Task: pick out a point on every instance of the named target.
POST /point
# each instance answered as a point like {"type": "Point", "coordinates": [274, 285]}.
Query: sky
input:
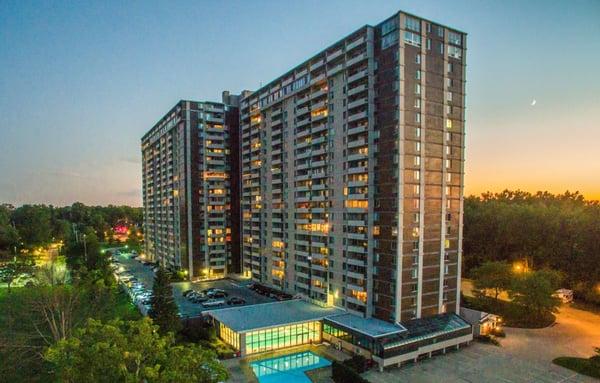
{"type": "Point", "coordinates": [81, 82]}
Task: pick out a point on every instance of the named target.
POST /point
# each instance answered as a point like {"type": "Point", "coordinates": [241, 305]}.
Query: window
{"type": "Point", "coordinates": [440, 31]}
{"type": "Point", "coordinates": [449, 82]}
{"type": "Point", "coordinates": [428, 27]}
{"type": "Point", "coordinates": [418, 132]}
{"type": "Point", "coordinates": [389, 26]}
{"type": "Point", "coordinates": [388, 40]}
{"type": "Point", "coordinates": [417, 175]}
{"type": "Point", "coordinates": [412, 38]}
{"type": "Point", "coordinates": [414, 273]}
{"type": "Point", "coordinates": [416, 217]}
{"type": "Point", "coordinates": [417, 102]}
{"type": "Point", "coordinates": [418, 58]}
{"type": "Point", "coordinates": [417, 88]}
{"type": "Point", "coordinates": [418, 117]}
{"type": "Point", "coordinates": [429, 44]}
{"type": "Point", "coordinates": [450, 67]}
{"type": "Point", "coordinates": [454, 38]}
{"type": "Point", "coordinates": [449, 177]}
{"type": "Point", "coordinates": [448, 164]}
{"type": "Point", "coordinates": [448, 109]}
{"type": "Point", "coordinates": [417, 160]}
{"type": "Point", "coordinates": [454, 52]}
{"type": "Point", "coordinates": [412, 24]}
{"type": "Point", "coordinates": [418, 75]}
{"type": "Point", "coordinates": [442, 48]}
{"type": "Point", "coordinates": [417, 147]}
{"type": "Point", "coordinates": [448, 123]}
{"type": "Point", "coordinates": [449, 96]}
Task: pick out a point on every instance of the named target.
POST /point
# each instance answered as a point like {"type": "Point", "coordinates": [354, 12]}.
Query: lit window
{"type": "Point", "coordinates": [448, 123]}
{"type": "Point", "coordinates": [417, 175]}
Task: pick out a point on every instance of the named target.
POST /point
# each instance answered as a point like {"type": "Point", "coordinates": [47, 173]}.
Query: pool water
{"type": "Point", "coordinates": [288, 368]}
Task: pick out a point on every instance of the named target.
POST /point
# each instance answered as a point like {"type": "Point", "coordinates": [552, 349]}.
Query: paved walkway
{"type": "Point", "coordinates": [478, 363]}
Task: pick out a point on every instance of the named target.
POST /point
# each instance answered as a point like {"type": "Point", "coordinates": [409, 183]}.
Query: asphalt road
{"type": "Point", "coordinates": [188, 309]}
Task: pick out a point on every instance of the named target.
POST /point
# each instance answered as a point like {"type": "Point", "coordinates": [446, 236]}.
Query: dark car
{"type": "Point", "coordinates": [219, 294]}
{"type": "Point", "coordinates": [235, 301]}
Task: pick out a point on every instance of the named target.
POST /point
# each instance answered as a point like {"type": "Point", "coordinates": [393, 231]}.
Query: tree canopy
{"type": "Point", "coordinates": [133, 351]}
{"type": "Point", "coordinates": [558, 232]}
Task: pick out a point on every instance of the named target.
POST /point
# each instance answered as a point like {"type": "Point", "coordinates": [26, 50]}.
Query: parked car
{"type": "Point", "coordinates": [235, 301]}
{"type": "Point", "coordinates": [213, 303]}
{"type": "Point", "coordinates": [219, 294]}
{"type": "Point", "coordinates": [199, 299]}
{"type": "Point", "coordinates": [187, 292]}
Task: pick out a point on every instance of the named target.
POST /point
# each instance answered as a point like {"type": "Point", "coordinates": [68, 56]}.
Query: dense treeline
{"type": "Point", "coordinates": [35, 225]}
{"type": "Point", "coordinates": [543, 230]}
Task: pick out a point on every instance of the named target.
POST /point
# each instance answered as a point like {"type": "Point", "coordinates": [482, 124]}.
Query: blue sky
{"type": "Point", "coordinates": [80, 83]}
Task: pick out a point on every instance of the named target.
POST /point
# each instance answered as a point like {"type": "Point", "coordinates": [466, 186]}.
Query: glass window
{"type": "Point", "coordinates": [389, 40]}
{"type": "Point", "coordinates": [454, 52]}
{"type": "Point", "coordinates": [389, 25]}
{"type": "Point", "coordinates": [454, 38]}
{"type": "Point", "coordinates": [412, 24]}
{"type": "Point", "coordinates": [412, 38]}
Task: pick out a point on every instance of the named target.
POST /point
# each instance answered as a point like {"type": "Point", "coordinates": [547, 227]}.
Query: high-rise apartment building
{"type": "Point", "coordinates": [190, 174]}
{"type": "Point", "coordinates": [352, 173]}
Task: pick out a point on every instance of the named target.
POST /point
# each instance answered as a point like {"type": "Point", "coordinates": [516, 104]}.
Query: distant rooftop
{"type": "Point", "coordinates": [253, 317]}
{"type": "Point", "coordinates": [369, 326]}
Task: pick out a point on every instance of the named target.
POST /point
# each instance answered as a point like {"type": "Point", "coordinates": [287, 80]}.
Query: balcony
{"type": "Point", "coordinates": [356, 59]}
{"type": "Point", "coordinates": [357, 89]}
{"type": "Point", "coordinates": [355, 43]}
{"type": "Point", "coordinates": [358, 102]}
{"type": "Point", "coordinates": [335, 54]}
{"type": "Point", "coordinates": [357, 76]}
{"type": "Point", "coordinates": [335, 69]}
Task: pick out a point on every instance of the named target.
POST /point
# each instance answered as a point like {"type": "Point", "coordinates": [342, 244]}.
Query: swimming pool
{"type": "Point", "coordinates": [288, 368]}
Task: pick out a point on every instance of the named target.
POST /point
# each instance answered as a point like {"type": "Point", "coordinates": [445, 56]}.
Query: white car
{"type": "Point", "coordinates": [213, 303]}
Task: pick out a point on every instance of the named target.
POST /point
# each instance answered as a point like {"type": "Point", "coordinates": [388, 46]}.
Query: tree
{"type": "Point", "coordinates": [163, 308]}
{"type": "Point", "coordinates": [495, 276]}
{"type": "Point", "coordinates": [14, 269]}
{"type": "Point", "coordinates": [131, 352]}
{"type": "Point", "coordinates": [533, 292]}
{"type": "Point", "coordinates": [33, 223]}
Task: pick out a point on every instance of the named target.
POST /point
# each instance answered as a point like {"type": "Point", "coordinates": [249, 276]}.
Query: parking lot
{"type": "Point", "coordinates": [188, 309]}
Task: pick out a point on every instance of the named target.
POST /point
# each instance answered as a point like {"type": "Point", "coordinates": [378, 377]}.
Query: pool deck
{"type": "Point", "coordinates": [241, 372]}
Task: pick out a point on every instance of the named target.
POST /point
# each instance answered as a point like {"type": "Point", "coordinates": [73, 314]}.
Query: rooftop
{"type": "Point", "coordinates": [430, 327]}
{"type": "Point", "coordinates": [369, 326]}
{"type": "Point", "coordinates": [254, 317]}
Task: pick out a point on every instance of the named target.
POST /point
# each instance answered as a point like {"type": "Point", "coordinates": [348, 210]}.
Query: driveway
{"type": "Point", "coordinates": [525, 356]}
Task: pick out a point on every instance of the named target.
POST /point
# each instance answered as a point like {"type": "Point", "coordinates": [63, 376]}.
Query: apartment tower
{"type": "Point", "coordinates": [352, 173]}
{"type": "Point", "coordinates": [190, 176]}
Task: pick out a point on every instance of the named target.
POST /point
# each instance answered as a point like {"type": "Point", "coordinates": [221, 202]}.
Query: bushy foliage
{"type": "Point", "coordinates": [558, 232]}
{"type": "Point", "coordinates": [133, 351]}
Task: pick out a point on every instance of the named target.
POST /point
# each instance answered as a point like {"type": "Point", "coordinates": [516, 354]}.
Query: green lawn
{"type": "Point", "coordinates": [589, 367]}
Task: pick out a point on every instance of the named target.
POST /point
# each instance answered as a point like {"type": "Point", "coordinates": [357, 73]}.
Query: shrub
{"type": "Point", "coordinates": [358, 363]}
{"type": "Point", "coordinates": [341, 373]}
